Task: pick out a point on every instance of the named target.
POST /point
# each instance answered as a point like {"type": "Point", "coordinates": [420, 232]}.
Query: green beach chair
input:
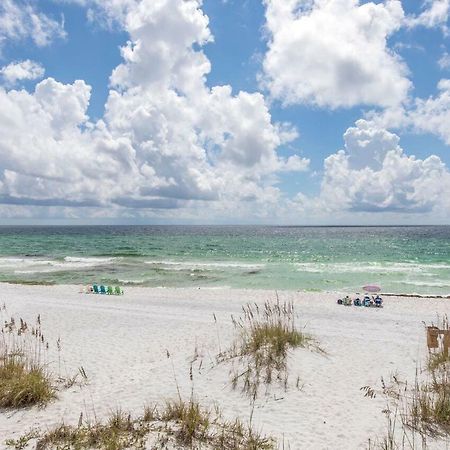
{"type": "Point", "coordinates": [118, 291]}
{"type": "Point", "coordinates": [96, 290]}
{"type": "Point", "coordinates": [110, 290]}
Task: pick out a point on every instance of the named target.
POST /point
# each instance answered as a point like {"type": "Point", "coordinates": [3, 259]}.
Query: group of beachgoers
{"type": "Point", "coordinates": [101, 289]}
{"type": "Point", "coordinates": [368, 301]}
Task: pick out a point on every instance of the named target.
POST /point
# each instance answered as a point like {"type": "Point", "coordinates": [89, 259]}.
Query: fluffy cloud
{"type": "Point", "coordinates": [46, 156]}
{"type": "Point", "coordinates": [436, 13]}
{"type": "Point", "coordinates": [105, 12]}
{"type": "Point", "coordinates": [422, 115]}
{"type": "Point", "coordinates": [200, 143]}
{"type": "Point", "coordinates": [166, 141]}
{"type": "Point", "coordinates": [373, 174]}
{"type": "Point", "coordinates": [19, 19]}
{"type": "Point", "coordinates": [169, 142]}
{"type": "Point", "coordinates": [432, 115]}
{"type": "Point", "coordinates": [23, 70]}
{"type": "Point", "coordinates": [334, 53]}
{"type": "Point", "coordinates": [444, 61]}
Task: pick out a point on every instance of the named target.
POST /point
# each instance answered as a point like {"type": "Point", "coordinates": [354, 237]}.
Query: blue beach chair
{"type": "Point", "coordinates": [102, 289]}
{"type": "Point", "coordinates": [96, 290]}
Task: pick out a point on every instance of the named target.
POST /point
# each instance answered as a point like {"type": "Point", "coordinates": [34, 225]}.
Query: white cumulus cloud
{"type": "Point", "coordinates": [20, 19]}
{"type": "Point", "coordinates": [422, 115]}
{"type": "Point", "coordinates": [22, 70]}
{"type": "Point", "coordinates": [167, 140]}
{"type": "Point", "coordinates": [373, 174]}
{"type": "Point", "coordinates": [435, 13]}
{"type": "Point", "coordinates": [334, 53]}
{"type": "Point", "coordinates": [432, 115]}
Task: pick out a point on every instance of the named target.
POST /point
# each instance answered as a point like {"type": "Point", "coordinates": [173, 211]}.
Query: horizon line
{"type": "Point", "coordinates": [224, 225]}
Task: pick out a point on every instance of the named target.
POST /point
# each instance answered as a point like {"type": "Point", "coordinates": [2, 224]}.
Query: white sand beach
{"type": "Point", "coordinates": [123, 344]}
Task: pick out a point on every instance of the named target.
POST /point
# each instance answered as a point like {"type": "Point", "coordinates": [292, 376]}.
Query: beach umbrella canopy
{"type": "Point", "coordinates": [372, 288]}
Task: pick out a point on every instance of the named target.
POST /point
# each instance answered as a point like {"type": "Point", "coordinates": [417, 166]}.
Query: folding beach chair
{"type": "Point", "coordinates": [118, 291]}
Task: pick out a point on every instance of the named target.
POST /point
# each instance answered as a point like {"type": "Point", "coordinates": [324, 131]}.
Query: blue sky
{"type": "Point", "coordinates": [251, 53]}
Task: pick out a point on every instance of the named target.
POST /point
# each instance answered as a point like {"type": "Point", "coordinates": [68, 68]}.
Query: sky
{"type": "Point", "coordinates": [295, 112]}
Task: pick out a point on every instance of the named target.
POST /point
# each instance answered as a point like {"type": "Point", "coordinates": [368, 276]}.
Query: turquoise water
{"type": "Point", "coordinates": [400, 259]}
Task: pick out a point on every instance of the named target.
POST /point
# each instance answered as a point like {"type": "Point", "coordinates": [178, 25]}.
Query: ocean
{"type": "Point", "coordinates": [400, 259]}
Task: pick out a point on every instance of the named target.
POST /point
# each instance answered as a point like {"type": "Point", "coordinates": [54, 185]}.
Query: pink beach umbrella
{"type": "Point", "coordinates": [372, 288]}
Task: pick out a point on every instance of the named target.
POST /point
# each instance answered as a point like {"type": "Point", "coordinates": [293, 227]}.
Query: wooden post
{"type": "Point", "coordinates": [446, 342]}
{"type": "Point", "coordinates": [432, 337]}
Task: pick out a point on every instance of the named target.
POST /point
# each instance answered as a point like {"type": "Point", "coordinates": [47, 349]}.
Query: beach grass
{"type": "Point", "coordinates": [182, 423]}
{"type": "Point", "coordinates": [437, 360]}
{"type": "Point", "coordinates": [265, 336]}
{"type": "Point", "coordinates": [193, 422]}
{"type": "Point", "coordinates": [24, 378]}
{"type": "Point", "coordinates": [430, 408]}
{"type": "Point", "coordinates": [118, 432]}
{"type": "Point", "coordinates": [22, 385]}
{"type": "Point", "coordinates": [414, 416]}
{"type": "Point", "coordinates": [430, 403]}
{"type": "Point", "coordinates": [421, 412]}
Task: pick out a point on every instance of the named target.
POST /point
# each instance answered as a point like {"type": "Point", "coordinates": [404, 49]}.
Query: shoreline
{"type": "Point", "coordinates": [312, 292]}
{"type": "Point", "coordinates": [415, 295]}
